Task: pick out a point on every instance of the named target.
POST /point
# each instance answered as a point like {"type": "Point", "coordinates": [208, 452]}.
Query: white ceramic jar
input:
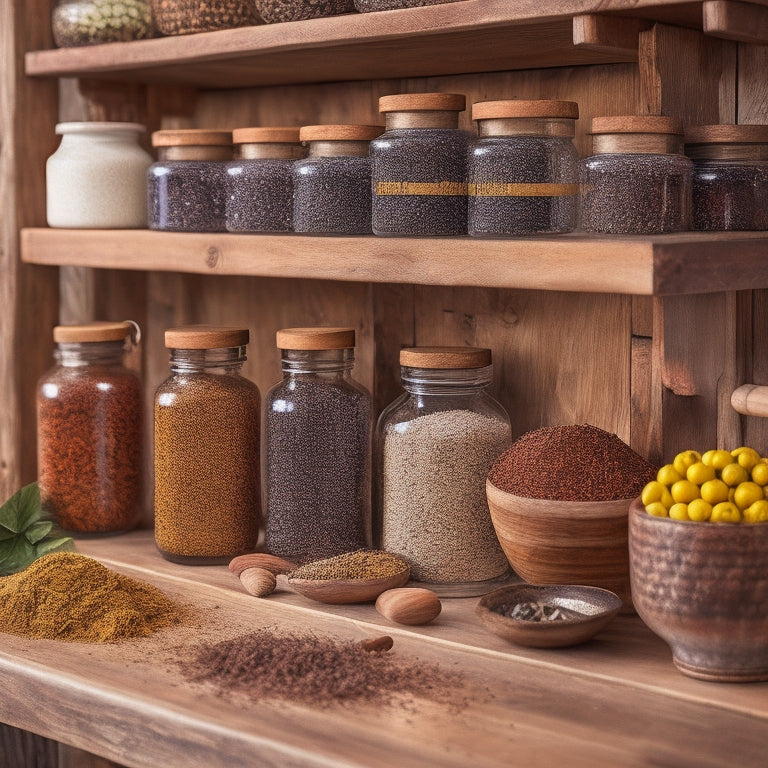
{"type": "Point", "coordinates": [97, 178]}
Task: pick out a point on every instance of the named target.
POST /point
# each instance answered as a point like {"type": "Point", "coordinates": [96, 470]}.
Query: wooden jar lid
{"type": "Point", "coordinates": [340, 132]}
{"type": "Point", "coordinates": [486, 110]}
{"type": "Point", "coordinates": [98, 331]}
{"type": "Point", "coordinates": [205, 337]}
{"type": "Point", "coordinates": [445, 357]}
{"type": "Point", "coordinates": [191, 137]}
{"type": "Point", "coordinates": [316, 338]}
{"type": "Point", "coordinates": [422, 102]}
{"type": "Point", "coordinates": [636, 124]}
{"type": "Point", "coordinates": [266, 135]}
{"type": "Point", "coordinates": [727, 134]}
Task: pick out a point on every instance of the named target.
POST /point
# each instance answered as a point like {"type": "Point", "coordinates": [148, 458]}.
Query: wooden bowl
{"type": "Point", "coordinates": [344, 591]}
{"type": "Point", "coordinates": [592, 609]}
{"type": "Point", "coordinates": [703, 587]}
{"type": "Point", "coordinates": [564, 542]}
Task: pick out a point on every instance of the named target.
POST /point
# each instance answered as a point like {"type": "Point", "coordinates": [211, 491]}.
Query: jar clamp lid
{"type": "Point", "coordinates": [642, 134]}
{"type": "Point", "coordinates": [97, 331]}
{"type": "Point", "coordinates": [445, 358]}
{"type": "Point", "coordinates": [727, 142]}
{"type": "Point", "coordinates": [315, 338]}
{"type": "Point", "coordinates": [205, 337]}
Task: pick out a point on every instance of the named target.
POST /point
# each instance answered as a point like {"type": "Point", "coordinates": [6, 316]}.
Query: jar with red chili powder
{"type": "Point", "coordinates": [89, 430]}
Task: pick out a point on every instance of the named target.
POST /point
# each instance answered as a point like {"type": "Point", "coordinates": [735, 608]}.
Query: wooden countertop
{"type": "Point", "coordinates": [616, 700]}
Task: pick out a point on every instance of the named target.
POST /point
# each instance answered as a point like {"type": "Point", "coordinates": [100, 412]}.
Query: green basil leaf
{"type": "Point", "coordinates": [5, 534]}
{"type": "Point", "coordinates": [22, 509]}
{"type": "Point", "coordinates": [16, 557]}
{"type": "Point", "coordinates": [38, 531]}
{"type": "Point", "coordinates": [63, 544]}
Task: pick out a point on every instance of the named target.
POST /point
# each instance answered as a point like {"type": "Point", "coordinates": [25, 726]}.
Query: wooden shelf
{"type": "Point", "coordinates": [686, 263]}
{"type": "Point", "coordinates": [612, 701]}
{"type": "Point", "coordinates": [456, 37]}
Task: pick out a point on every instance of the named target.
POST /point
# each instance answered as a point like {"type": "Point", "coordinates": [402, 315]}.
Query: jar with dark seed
{"type": "Point", "coordinates": [523, 170]}
{"type": "Point", "coordinates": [638, 181]}
{"type": "Point", "coordinates": [186, 187]}
{"type": "Point", "coordinates": [90, 22]}
{"type": "Point", "coordinates": [183, 17]}
{"type": "Point", "coordinates": [90, 430]}
{"type": "Point", "coordinates": [434, 446]}
{"type": "Point", "coordinates": [207, 448]}
{"type": "Point", "coordinates": [419, 180]}
{"type": "Point", "coordinates": [332, 185]}
{"type": "Point", "coordinates": [276, 11]}
{"type": "Point", "coordinates": [730, 176]}
{"type": "Point", "coordinates": [317, 434]}
{"type": "Point", "coordinates": [366, 6]}
{"type": "Point", "coordinates": [260, 180]}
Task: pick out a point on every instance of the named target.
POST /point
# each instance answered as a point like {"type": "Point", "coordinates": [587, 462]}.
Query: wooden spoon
{"type": "Point", "coordinates": [342, 591]}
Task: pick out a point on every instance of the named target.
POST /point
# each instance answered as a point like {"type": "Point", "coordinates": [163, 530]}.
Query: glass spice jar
{"type": "Point", "coordinates": [186, 187]}
{"type": "Point", "coordinates": [317, 435]}
{"type": "Point", "coordinates": [207, 447]}
{"type": "Point", "coordinates": [90, 22]}
{"type": "Point", "coordinates": [730, 176]}
{"type": "Point", "coordinates": [96, 179]}
{"type": "Point", "coordinates": [260, 180]}
{"type": "Point", "coordinates": [419, 181]}
{"type": "Point", "coordinates": [89, 430]}
{"type": "Point", "coordinates": [276, 11]}
{"type": "Point", "coordinates": [637, 181]}
{"type": "Point", "coordinates": [184, 17]}
{"type": "Point", "coordinates": [523, 170]}
{"type": "Point", "coordinates": [434, 446]}
{"type": "Point", "coordinates": [332, 185]}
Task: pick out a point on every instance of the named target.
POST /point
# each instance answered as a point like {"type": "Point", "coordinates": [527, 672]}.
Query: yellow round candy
{"type": "Point", "coordinates": [699, 473]}
{"type": "Point", "coordinates": [684, 459]}
{"type": "Point", "coordinates": [699, 510]}
{"type": "Point", "coordinates": [747, 494]}
{"type": "Point", "coordinates": [679, 511]}
{"type": "Point", "coordinates": [757, 512]}
{"type": "Point", "coordinates": [745, 456]}
{"type": "Point", "coordinates": [725, 512]}
{"type": "Point", "coordinates": [759, 473]}
{"type": "Point", "coordinates": [733, 474]}
{"type": "Point", "coordinates": [668, 475]}
{"type": "Point", "coordinates": [717, 458]}
{"type": "Point", "coordinates": [714, 491]}
{"type": "Point", "coordinates": [657, 509]}
{"type": "Point", "coordinates": [685, 491]}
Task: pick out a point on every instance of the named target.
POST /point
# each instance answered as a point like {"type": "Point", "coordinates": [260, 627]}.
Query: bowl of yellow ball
{"type": "Point", "coordinates": [698, 557]}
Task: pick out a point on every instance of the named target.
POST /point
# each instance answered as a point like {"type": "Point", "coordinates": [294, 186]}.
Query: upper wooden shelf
{"type": "Point", "coordinates": [456, 37]}
{"type": "Point", "coordinates": [685, 263]}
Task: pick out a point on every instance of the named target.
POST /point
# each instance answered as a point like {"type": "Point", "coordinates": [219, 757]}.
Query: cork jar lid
{"type": "Point", "coordinates": [340, 132]}
{"type": "Point", "coordinates": [191, 137]}
{"type": "Point", "coordinates": [205, 337]}
{"type": "Point", "coordinates": [445, 357]}
{"type": "Point", "coordinates": [266, 135]}
{"type": "Point", "coordinates": [487, 110]}
{"type": "Point", "coordinates": [97, 331]}
{"type": "Point", "coordinates": [423, 102]}
{"type": "Point", "coordinates": [315, 338]}
{"type": "Point", "coordinates": [636, 124]}
{"type": "Point", "coordinates": [726, 134]}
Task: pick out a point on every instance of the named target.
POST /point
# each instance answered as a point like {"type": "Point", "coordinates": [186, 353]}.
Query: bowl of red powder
{"type": "Point", "coordinates": [559, 500]}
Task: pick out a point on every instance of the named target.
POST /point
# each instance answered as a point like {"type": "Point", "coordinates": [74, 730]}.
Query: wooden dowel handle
{"type": "Point", "coordinates": [751, 400]}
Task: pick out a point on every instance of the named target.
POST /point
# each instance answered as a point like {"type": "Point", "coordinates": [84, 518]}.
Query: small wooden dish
{"type": "Point", "coordinates": [591, 608]}
{"type": "Point", "coordinates": [343, 591]}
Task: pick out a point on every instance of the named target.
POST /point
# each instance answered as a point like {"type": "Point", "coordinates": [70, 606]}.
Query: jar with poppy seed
{"type": "Point", "coordinates": [332, 185]}
{"type": "Point", "coordinates": [638, 181]}
{"type": "Point", "coordinates": [260, 180]}
{"type": "Point", "coordinates": [523, 169]}
{"type": "Point", "coordinates": [186, 187]}
{"type": "Point", "coordinates": [206, 448]}
{"type": "Point", "coordinates": [730, 176]}
{"type": "Point", "coordinates": [418, 166]}
{"type": "Point", "coordinates": [433, 448]}
{"type": "Point", "coordinates": [317, 434]}
{"type": "Point", "coordinates": [90, 429]}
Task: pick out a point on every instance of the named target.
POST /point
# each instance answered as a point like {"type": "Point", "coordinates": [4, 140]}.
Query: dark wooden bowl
{"type": "Point", "coordinates": [564, 542]}
{"type": "Point", "coordinates": [703, 587]}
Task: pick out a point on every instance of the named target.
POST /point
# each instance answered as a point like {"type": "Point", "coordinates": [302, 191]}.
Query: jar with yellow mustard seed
{"type": "Point", "coordinates": [206, 441]}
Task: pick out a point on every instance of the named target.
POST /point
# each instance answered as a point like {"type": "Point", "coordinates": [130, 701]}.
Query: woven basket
{"type": "Point", "coordinates": [183, 17]}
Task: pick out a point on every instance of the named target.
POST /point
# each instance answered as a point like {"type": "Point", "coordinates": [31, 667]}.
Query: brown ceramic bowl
{"type": "Point", "coordinates": [588, 609]}
{"type": "Point", "coordinates": [564, 542]}
{"type": "Point", "coordinates": [703, 587]}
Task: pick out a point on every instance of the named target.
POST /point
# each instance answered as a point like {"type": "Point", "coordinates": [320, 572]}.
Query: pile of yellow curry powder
{"type": "Point", "coordinates": [68, 596]}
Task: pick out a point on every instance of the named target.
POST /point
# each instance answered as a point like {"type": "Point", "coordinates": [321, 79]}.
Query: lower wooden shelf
{"type": "Point", "coordinates": [686, 263]}
{"type": "Point", "coordinates": [616, 700]}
